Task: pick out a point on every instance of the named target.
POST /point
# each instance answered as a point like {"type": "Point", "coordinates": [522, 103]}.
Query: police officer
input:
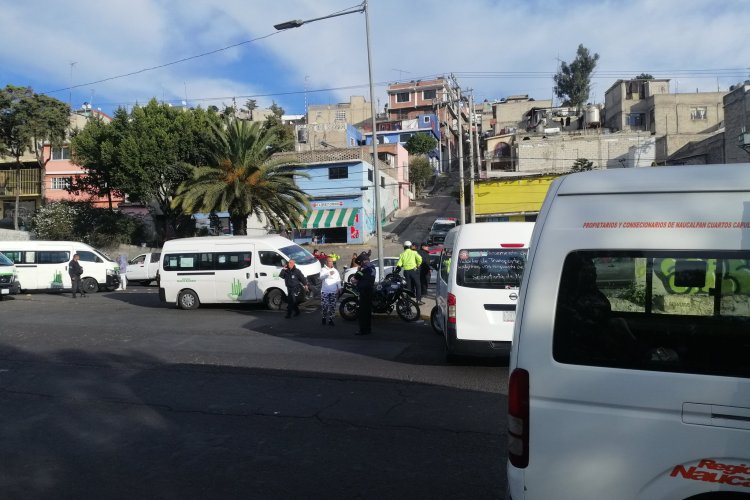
{"type": "Point", "coordinates": [409, 261]}
{"type": "Point", "coordinates": [365, 284]}
{"type": "Point", "coordinates": [424, 269]}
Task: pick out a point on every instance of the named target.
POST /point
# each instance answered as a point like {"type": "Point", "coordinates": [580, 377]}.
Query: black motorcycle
{"type": "Point", "coordinates": [391, 293]}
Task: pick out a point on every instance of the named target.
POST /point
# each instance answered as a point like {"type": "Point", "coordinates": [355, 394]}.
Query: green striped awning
{"type": "Point", "coordinates": [339, 217]}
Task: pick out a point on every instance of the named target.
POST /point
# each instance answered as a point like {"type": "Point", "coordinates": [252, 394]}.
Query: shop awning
{"type": "Point", "coordinates": [339, 217]}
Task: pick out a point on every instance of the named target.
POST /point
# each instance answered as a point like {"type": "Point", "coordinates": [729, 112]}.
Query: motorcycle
{"type": "Point", "coordinates": [391, 293]}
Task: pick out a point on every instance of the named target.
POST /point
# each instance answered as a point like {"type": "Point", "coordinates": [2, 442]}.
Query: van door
{"type": "Point", "coordinates": [235, 276]}
{"type": "Point", "coordinates": [270, 264]}
{"type": "Point", "coordinates": [52, 269]}
{"type": "Point", "coordinates": [190, 270]}
{"type": "Point", "coordinates": [152, 267]}
{"type": "Point", "coordinates": [486, 290]}
{"type": "Point", "coordinates": [136, 270]}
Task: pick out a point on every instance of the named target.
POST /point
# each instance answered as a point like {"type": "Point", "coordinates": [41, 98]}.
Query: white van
{"type": "Point", "coordinates": [220, 269]}
{"type": "Point", "coordinates": [43, 265]}
{"type": "Point", "coordinates": [8, 273]}
{"type": "Point", "coordinates": [477, 287]}
{"type": "Point", "coordinates": [630, 366]}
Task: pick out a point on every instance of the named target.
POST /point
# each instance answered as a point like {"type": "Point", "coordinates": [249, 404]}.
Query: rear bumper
{"type": "Point", "coordinates": [476, 348]}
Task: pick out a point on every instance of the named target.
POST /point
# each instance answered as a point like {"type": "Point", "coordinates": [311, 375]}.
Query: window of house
{"type": "Point", "coordinates": [382, 181]}
{"type": "Point", "coordinates": [341, 116]}
{"type": "Point", "coordinates": [369, 174]}
{"type": "Point", "coordinates": [338, 172]}
{"type": "Point", "coordinates": [404, 137]}
{"type": "Point", "coordinates": [60, 183]}
{"type": "Point", "coordinates": [635, 119]}
{"type": "Point", "coordinates": [429, 94]}
{"type": "Point", "coordinates": [61, 153]}
{"type": "Point", "coordinates": [698, 113]}
{"type": "Point", "coordinates": [402, 97]}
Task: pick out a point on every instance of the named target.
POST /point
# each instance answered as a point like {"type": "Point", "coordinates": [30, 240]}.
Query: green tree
{"type": "Point", "coordinates": [420, 144]}
{"type": "Point", "coordinates": [30, 122]}
{"type": "Point", "coordinates": [276, 109]}
{"type": "Point", "coordinates": [284, 134]}
{"type": "Point", "coordinates": [582, 165]}
{"type": "Point", "coordinates": [245, 180]}
{"type": "Point", "coordinates": [573, 81]}
{"type": "Point", "coordinates": [644, 76]}
{"type": "Point", "coordinates": [95, 148]}
{"type": "Point", "coordinates": [420, 172]}
{"type": "Point", "coordinates": [251, 105]}
{"type": "Point", "coordinates": [56, 221]}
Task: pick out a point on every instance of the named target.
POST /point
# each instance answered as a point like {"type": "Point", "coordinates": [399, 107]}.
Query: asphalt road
{"type": "Point", "coordinates": [119, 396]}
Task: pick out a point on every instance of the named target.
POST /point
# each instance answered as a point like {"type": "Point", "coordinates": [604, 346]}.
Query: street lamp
{"type": "Point", "coordinates": [296, 23]}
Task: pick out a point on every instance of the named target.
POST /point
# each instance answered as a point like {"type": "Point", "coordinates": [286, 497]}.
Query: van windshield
{"type": "Point", "coordinates": [443, 227]}
{"type": "Point", "coordinates": [490, 268]}
{"type": "Point", "coordinates": [299, 254]}
{"type": "Point", "coordinates": [5, 261]}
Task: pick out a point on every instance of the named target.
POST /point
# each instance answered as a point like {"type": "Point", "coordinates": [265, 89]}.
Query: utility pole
{"type": "Point", "coordinates": [471, 155]}
{"type": "Point", "coordinates": [461, 194]}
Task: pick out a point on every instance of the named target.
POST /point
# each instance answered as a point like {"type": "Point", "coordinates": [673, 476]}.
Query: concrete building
{"type": "Point", "coordinates": [737, 124]}
{"type": "Point", "coordinates": [341, 187]}
{"type": "Point", "coordinates": [357, 111]}
{"type": "Point", "coordinates": [626, 103]}
{"type": "Point", "coordinates": [510, 113]}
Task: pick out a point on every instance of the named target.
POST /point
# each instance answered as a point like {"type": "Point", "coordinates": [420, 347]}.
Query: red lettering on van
{"type": "Point", "coordinates": [730, 474]}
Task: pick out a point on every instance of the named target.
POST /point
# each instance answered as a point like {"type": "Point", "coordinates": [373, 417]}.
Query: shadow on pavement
{"type": "Point", "coordinates": [80, 424]}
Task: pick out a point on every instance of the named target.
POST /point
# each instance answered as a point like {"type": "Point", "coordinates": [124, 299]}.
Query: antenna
{"type": "Point", "coordinates": [70, 91]}
{"type": "Point", "coordinates": [400, 72]}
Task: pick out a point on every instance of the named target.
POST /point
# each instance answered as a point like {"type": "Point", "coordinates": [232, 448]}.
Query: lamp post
{"type": "Point", "coordinates": [376, 172]}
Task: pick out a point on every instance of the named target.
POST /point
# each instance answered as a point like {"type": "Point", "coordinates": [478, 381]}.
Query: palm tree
{"type": "Point", "coordinates": [245, 180]}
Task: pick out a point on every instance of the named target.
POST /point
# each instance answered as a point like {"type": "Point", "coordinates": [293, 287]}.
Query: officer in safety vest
{"type": "Point", "coordinates": [409, 261]}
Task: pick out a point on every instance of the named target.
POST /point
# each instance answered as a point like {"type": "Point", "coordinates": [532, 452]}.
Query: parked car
{"type": "Point", "coordinates": [144, 268]}
{"type": "Point", "coordinates": [388, 264]}
{"type": "Point", "coordinates": [440, 228]}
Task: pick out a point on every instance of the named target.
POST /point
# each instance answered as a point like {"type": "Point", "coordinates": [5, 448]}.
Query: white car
{"type": "Point", "coordinates": [388, 264]}
{"type": "Point", "coordinates": [144, 268]}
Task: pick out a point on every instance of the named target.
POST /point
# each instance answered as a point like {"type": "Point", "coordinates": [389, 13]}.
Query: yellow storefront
{"type": "Point", "coordinates": [511, 199]}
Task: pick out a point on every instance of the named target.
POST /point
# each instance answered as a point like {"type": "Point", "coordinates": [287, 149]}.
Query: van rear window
{"type": "Point", "coordinates": [490, 268]}
{"type": "Point", "coordinates": [667, 311]}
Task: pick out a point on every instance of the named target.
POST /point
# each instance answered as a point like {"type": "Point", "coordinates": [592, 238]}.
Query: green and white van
{"type": "Point", "coordinates": [8, 284]}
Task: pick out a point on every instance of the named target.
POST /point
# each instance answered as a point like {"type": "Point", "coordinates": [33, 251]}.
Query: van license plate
{"type": "Point", "coordinates": [509, 315]}
{"type": "Point", "coordinates": [5, 291]}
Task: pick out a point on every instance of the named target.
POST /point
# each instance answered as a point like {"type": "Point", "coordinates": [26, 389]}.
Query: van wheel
{"type": "Point", "coordinates": [274, 299]}
{"type": "Point", "coordinates": [89, 285]}
{"type": "Point", "coordinates": [437, 326]}
{"type": "Point", "coordinates": [188, 299]}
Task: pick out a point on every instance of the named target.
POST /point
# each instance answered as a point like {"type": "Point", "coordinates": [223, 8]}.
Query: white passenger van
{"type": "Point", "coordinates": [8, 273]}
{"type": "Point", "coordinates": [43, 265]}
{"type": "Point", "coordinates": [220, 269]}
{"type": "Point", "coordinates": [477, 287]}
{"type": "Point", "coordinates": [630, 367]}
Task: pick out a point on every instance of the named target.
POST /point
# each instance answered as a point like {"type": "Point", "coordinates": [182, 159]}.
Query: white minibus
{"type": "Point", "coordinates": [221, 269]}
{"type": "Point", "coordinates": [477, 287]}
{"type": "Point", "coordinates": [630, 366]}
{"type": "Point", "coordinates": [8, 274]}
{"type": "Point", "coordinates": [43, 265]}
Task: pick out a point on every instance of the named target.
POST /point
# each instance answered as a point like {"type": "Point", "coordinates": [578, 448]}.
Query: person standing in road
{"type": "Point", "coordinates": [330, 289]}
{"type": "Point", "coordinates": [424, 268]}
{"type": "Point", "coordinates": [122, 263]}
{"type": "Point", "coordinates": [296, 286]}
{"type": "Point", "coordinates": [365, 278]}
{"type": "Point", "coordinates": [409, 261]}
{"type": "Point", "coordinates": [75, 271]}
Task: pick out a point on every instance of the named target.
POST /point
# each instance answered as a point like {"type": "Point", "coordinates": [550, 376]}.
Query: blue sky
{"type": "Point", "coordinates": [497, 48]}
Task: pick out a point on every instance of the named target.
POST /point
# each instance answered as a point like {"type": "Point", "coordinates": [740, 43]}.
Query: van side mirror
{"type": "Point", "coordinates": [690, 273]}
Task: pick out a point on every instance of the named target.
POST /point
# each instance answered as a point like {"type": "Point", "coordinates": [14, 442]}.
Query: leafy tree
{"type": "Point", "coordinates": [644, 76]}
{"type": "Point", "coordinates": [229, 112]}
{"type": "Point", "coordinates": [245, 180]}
{"type": "Point", "coordinates": [28, 123]}
{"type": "Point", "coordinates": [582, 165]}
{"type": "Point", "coordinates": [95, 148]}
{"type": "Point", "coordinates": [573, 81]}
{"type": "Point", "coordinates": [56, 221]}
{"type": "Point", "coordinates": [420, 144]}
{"type": "Point", "coordinates": [251, 105]}
{"type": "Point", "coordinates": [276, 109]}
{"type": "Point", "coordinates": [284, 133]}
{"type": "Point", "coordinates": [420, 171]}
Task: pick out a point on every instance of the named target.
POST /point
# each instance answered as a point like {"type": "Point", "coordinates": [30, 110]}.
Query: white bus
{"type": "Point", "coordinates": [220, 269]}
{"type": "Point", "coordinates": [43, 265]}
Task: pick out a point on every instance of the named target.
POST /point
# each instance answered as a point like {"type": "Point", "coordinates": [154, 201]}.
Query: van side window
{"type": "Point", "coordinates": [234, 260]}
{"type": "Point", "coordinates": [88, 256]}
{"type": "Point", "coordinates": [15, 255]}
{"type": "Point", "coordinates": [672, 311]}
{"type": "Point", "coordinates": [52, 257]}
{"type": "Point", "coordinates": [181, 262]}
{"type": "Point", "coordinates": [271, 259]}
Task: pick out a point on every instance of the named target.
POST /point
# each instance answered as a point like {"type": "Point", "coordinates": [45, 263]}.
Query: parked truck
{"type": "Point", "coordinates": [144, 268]}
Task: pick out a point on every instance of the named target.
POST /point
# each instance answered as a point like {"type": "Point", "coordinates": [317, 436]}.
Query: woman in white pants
{"type": "Point", "coordinates": [122, 262]}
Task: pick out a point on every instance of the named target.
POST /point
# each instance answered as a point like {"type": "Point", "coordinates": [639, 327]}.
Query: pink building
{"type": "Point", "coordinates": [397, 157]}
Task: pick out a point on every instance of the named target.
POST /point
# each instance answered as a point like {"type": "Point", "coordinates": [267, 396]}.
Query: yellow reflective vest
{"type": "Point", "coordinates": [409, 260]}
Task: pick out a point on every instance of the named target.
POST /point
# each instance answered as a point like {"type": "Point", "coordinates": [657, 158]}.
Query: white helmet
{"type": "Point", "coordinates": [407, 243]}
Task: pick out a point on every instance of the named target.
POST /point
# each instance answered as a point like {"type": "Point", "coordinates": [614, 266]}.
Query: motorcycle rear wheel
{"type": "Point", "coordinates": [408, 310]}
{"type": "Point", "coordinates": [349, 308]}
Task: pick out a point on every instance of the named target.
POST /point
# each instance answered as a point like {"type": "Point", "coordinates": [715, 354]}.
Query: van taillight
{"type": "Point", "coordinates": [451, 308]}
{"type": "Point", "coordinates": [518, 418]}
